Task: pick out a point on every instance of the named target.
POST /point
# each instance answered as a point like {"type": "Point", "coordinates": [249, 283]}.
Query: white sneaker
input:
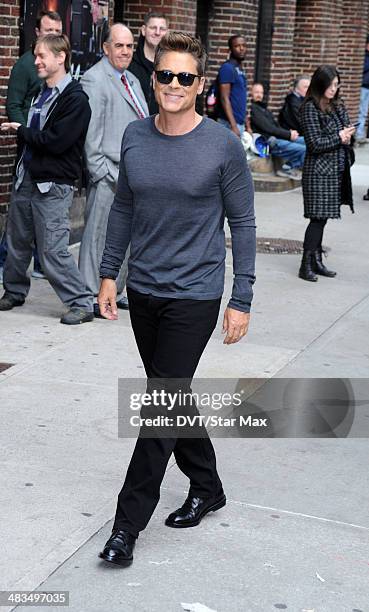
{"type": "Point", "coordinates": [290, 173]}
{"type": "Point", "coordinates": [296, 174]}
{"type": "Point", "coordinates": [37, 274]}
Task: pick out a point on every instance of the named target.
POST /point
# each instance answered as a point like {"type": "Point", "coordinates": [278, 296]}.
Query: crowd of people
{"type": "Point", "coordinates": [116, 91]}
{"type": "Point", "coordinates": [157, 199]}
{"type": "Point", "coordinates": [88, 120]}
{"type": "Point", "coordinates": [313, 136]}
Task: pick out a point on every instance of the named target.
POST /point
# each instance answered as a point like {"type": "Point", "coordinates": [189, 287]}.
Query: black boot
{"type": "Point", "coordinates": [306, 271]}
{"type": "Point", "coordinates": [318, 265]}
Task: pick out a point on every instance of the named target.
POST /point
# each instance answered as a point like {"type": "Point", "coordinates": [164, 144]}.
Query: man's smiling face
{"type": "Point", "coordinates": [174, 98]}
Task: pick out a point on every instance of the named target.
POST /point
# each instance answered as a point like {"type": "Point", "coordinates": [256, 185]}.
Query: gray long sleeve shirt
{"type": "Point", "coordinates": [173, 194]}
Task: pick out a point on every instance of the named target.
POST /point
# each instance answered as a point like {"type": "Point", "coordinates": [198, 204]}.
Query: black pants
{"type": "Point", "coordinates": [314, 234]}
{"type": "Point", "coordinates": [171, 336]}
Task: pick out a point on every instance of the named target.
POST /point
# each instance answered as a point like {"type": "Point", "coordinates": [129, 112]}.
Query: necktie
{"type": "Point", "coordinates": [138, 109]}
{"type": "Point", "coordinates": [35, 123]}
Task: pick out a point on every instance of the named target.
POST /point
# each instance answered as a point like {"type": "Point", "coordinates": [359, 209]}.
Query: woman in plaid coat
{"type": "Point", "coordinates": [326, 181]}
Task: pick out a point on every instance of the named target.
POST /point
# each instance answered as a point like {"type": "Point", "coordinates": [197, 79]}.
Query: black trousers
{"type": "Point", "coordinates": [314, 234]}
{"type": "Point", "coordinates": [171, 335]}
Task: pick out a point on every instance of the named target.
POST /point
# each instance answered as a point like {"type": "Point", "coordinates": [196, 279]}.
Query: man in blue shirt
{"type": "Point", "coordinates": [233, 87]}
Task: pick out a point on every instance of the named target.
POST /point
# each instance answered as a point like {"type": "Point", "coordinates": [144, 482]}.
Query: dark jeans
{"type": "Point", "coordinates": [314, 234]}
{"type": "Point", "coordinates": [171, 336]}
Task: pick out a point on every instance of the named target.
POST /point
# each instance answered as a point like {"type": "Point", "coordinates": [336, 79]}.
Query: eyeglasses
{"type": "Point", "coordinates": [185, 79]}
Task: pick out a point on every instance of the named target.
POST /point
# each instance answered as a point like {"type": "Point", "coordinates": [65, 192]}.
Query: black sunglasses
{"type": "Point", "coordinates": [185, 79]}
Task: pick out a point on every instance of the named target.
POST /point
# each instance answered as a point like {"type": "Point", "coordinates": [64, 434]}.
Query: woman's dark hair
{"type": "Point", "coordinates": [320, 81]}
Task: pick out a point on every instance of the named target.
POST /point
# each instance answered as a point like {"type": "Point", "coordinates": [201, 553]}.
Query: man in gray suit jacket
{"type": "Point", "coordinates": [116, 99]}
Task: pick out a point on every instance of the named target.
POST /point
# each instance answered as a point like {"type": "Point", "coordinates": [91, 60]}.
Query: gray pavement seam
{"type": "Point", "coordinates": [16, 370]}
{"type": "Point", "coordinates": [330, 332]}
{"type": "Point", "coordinates": [289, 512]}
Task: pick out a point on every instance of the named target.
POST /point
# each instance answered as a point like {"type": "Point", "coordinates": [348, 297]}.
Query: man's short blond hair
{"type": "Point", "coordinates": [57, 43]}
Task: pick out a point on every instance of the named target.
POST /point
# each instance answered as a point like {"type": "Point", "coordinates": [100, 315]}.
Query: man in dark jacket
{"type": "Point", "coordinates": [24, 85]}
{"type": "Point", "coordinates": [289, 114]}
{"type": "Point", "coordinates": [287, 144]}
{"type": "Point", "coordinates": [364, 97]}
{"type": "Point", "coordinates": [152, 31]}
{"type": "Point", "coordinates": [43, 189]}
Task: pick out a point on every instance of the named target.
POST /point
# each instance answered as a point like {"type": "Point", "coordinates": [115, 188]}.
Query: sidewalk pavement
{"type": "Point", "coordinates": [294, 533]}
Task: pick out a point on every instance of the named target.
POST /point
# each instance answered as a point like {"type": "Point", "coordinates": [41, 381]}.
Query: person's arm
{"type": "Point", "coordinates": [225, 100]}
{"type": "Point", "coordinates": [63, 133]}
{"type": "Point", "coordinates": [18, 87]}
{"type": "Point", "coordinates": [263, 122]}
{"type": "Point", "coordinates": [316, 141]}
{"type": "Point", "coordinates": [226, 78]}
{"type": "Point", "coordinates": [238, 197]}
{"type": "Point", "coordinates": [96, 160]}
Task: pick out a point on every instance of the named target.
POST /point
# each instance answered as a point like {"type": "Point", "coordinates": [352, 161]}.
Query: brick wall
{"type": "Point", "coordinates": [317, 33]}
{"type": "Point", "coordinates": [312, 32]}
{"type": "Point", "coordinates": [9, 42]}
{"type": "Point", "coordinates": [282, 51]}
{"type": "Point", "coordinates": [353, 32]}
{"type": "Point", "coordinates": [181, 14]}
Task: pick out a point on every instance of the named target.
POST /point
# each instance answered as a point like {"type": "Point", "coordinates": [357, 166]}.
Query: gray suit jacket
{"type": "Point", "coordinates": [112, 110]}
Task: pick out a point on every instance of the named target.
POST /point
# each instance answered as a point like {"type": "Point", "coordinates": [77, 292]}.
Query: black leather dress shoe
{"type": "Point", "coordinates": [194, 510]}
{"type": "Point", "coordinates": [119, 548]}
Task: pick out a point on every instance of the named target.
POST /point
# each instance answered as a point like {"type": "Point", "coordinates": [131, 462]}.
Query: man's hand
{"type": "Point", "coordinates": [294, 135]}
{"type": "Point", "coordinates": [13, 125]}
{"type": "Point", "coordinates": [236, 324]}
{"type": "Point", "coordinates": [107, 299]}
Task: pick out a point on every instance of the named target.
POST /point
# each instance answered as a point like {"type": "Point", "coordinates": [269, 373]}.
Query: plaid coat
{"type": "Point", "coordinates": [325, 185]}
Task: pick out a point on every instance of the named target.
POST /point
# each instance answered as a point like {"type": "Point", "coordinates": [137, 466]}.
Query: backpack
{"type": "Point", "coordinates": [212, 100]}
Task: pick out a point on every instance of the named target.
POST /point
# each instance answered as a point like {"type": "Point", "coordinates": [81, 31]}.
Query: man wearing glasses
{"type": "Point", "coordinates": [176, 271]}
{"type": "Point", "coordinates": [152, 31]}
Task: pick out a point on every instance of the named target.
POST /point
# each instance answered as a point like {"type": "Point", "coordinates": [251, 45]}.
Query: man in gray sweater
{"type": "Point", "coordinates": [180, 175]}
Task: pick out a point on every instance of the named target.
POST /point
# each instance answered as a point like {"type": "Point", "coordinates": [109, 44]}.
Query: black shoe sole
{"type": "Point", "coordinates": [311, 280]}
{"type": "Point", "coordinates": [88, 320]}
{"type": "Point", "coordinates": [220, 504]}
{"type": "Point", "coordinates": [327, 275]}
{"type": "Point", "coordinates": [115, 561]}
{"type": "Point", "coordinates": [11, 307]}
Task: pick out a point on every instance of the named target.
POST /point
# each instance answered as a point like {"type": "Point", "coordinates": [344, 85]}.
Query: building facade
{"type": "Point", "coordinates": [285, 38]}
